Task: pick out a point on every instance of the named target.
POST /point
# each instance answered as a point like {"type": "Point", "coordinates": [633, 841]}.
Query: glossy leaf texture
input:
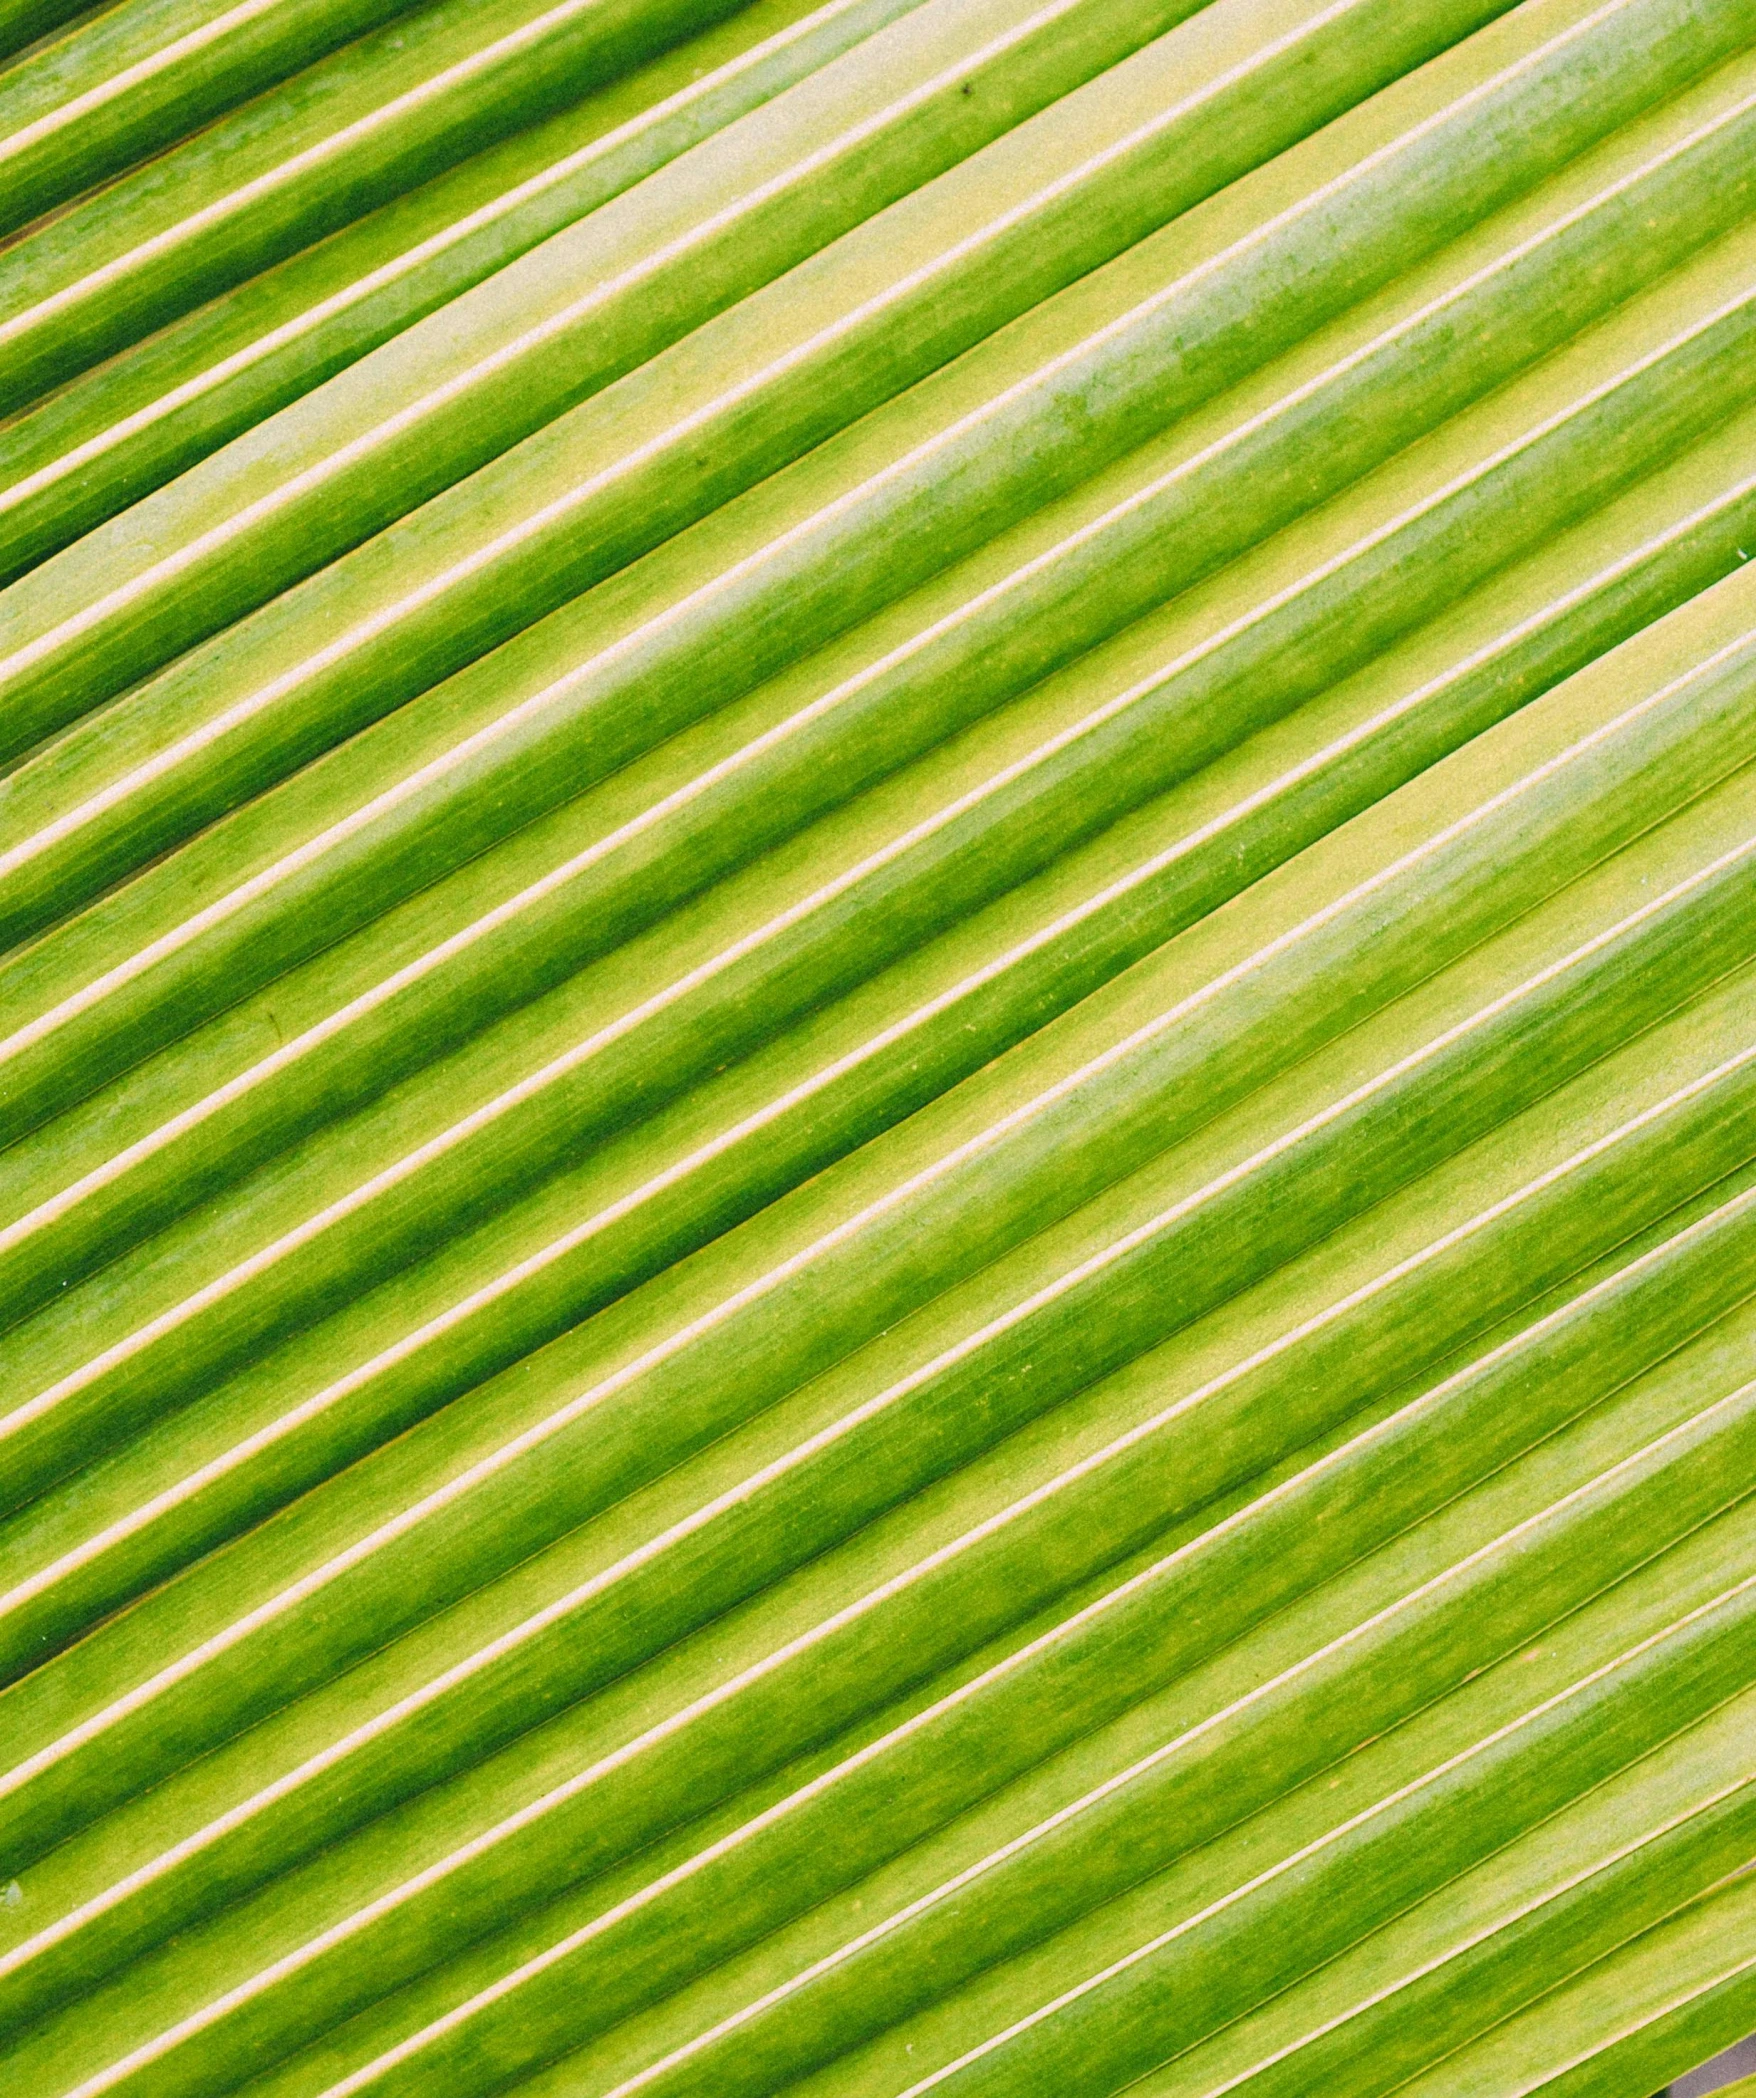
{"type": "Point", "coordinates": [877, 1047]}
